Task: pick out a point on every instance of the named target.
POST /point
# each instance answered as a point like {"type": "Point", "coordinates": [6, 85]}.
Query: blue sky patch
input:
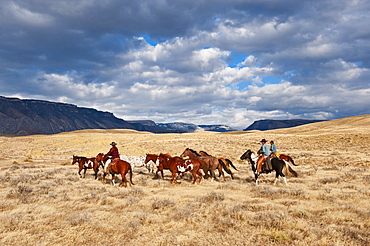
{"type": "Point", "coordinates": [149, 40]}
{"type": "Point", "coordinates": [235, 59]}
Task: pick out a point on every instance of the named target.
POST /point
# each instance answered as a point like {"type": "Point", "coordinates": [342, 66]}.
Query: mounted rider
{"type": "Point", "coordinates": [113, 153]}
{"type": "Point", "coordinates": [264, 157]}
{"type": "Point", "coordinates": [273, 149]}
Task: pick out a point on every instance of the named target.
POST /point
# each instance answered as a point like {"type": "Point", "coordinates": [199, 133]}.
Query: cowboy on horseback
{"type": "Point", "coordinates": [264, 158]}
{"type": "Point", "coordinates": [113, 153]}
{"type": "Point", "coordinates": [273, 148]}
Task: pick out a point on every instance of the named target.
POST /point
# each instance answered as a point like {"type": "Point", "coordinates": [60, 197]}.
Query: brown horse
{"type": "Point", "coordinates": [178, 165]}
{"type": "Point", "coordinates": [116, 167]}
{"type": "Point", "coordinates": [207, 163]}
{"type": "Point", "coordinates": [103, 160]}
{"type": "Point", "coordinates": [119, 167]}
{"type": "Point", "coordinates": [153, 158]}
{"type": "Point", "coordinates": [86, 163]}
{"type": "Point", "coordinates": [163, 160]}
{"type": "Point", "coordinates": [286, 158]}
{"type": "Point", "coordinates": [226, 163]}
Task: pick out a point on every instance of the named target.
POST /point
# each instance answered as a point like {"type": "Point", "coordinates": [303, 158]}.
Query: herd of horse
{"type": "Point", "coordinates": [189, 161]}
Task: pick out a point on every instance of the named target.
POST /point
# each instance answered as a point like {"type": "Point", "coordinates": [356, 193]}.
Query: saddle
{"type": "Point", "coordinates": [264, 164]}
{"type": "Point", "coordinates": [114, 161]}
{"type": "Point", "coordinates": [267, 164]}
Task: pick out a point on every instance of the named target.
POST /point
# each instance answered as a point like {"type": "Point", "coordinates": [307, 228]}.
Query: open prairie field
{"type": "Point", "coordinates": [43, 200]}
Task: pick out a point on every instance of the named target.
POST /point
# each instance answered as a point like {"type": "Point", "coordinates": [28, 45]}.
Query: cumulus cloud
{"type": "Point", "coordinates": [202, 62]}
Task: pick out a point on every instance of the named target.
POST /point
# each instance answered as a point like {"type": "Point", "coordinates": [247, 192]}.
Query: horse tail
{"type": "Point", "coordinates": [130, 171]}
{"type": "Point", "coordinates": [225, 167]}
{"type": "Point", "coordinates": [291, 160]}
{"type": "Point", "coordinates": [231, 164]}
{"type": "Point", "coordinates": [290, 169]}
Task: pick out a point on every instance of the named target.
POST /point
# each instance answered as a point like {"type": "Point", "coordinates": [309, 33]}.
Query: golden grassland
{"type": "Point", "coordinates": [45, 202]}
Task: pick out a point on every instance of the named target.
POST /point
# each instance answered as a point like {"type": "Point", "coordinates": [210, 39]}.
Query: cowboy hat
{"type": "Point", "coordinates": [113, 144]}
{"type": "Point", "coordinates": [263, 141]}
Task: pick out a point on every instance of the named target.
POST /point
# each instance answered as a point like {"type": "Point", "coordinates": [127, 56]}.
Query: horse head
{"type": "Point", "coordinates": [246, 155]}
{"type": "Point", "coordinates": [150, 157]}
{"type": "Point", "coordinates": [74, 159]}
{"type": "Point", "coordinates": [190, 153]}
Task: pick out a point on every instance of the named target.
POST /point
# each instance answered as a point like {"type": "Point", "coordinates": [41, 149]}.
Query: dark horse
{"type": "Point", "coordinates": [116, 167]}
{"type": "Point", "coordinates": [227, 163]}
{"type": "Point", "coordinates": [277, 166]}
{"type": "Point", "coordinates": [86, 163]}
{"type": "Point", "coordinates": [207, 163]}
{"type": "Point", "coordinates": [178, 165]}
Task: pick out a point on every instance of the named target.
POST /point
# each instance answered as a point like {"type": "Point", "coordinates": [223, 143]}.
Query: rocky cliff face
{"type": "Point", "coordinates": [25, 117]}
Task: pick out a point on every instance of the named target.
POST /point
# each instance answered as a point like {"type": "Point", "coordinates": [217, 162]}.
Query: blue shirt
{"type": "Point", "coordinates": [273, 148]}
{"type": "Point", "coordinates": [265, 150]}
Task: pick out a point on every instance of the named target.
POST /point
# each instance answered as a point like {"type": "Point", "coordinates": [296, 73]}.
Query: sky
{"type": "Point", "coordinates": [203, 62]}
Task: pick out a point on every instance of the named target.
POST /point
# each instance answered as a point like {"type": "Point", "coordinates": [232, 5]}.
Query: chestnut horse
{"type": "Point", "coordinates": [86, 163]}
{"type": "Point", "coordinates": [227, 163]}
{"type": "Point", "coordinates": [163, 163]}
{"type": "Point", "coordinates": [103, 160]}
{"type": "Point", "coordinates": [277, 166]}
{"type": "Point", "coordinates": [286, 158]}
{"type": "Point", "coordinates": [207, 163]}
{"type": "Point", "coordinates": [116, 167]}
{"type": "Point", "coordinates": [153, 158]}
{"type": "Point", "coordinates": [178, 165]}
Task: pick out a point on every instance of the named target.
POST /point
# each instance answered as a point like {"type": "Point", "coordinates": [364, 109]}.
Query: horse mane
{"type": "Point", "coordinates": [204, 153]}
{"type": "Point", "coordinates": [193, 151]}
{"type": "Point", "coordinates": [165, 154]}
{"type": "Point", "coordinates": [78, 157]}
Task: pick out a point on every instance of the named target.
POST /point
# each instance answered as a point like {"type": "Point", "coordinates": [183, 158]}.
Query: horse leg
{"type": "Point", "coordinates": [172, 179]}
{"type": "Point", "coordinates": [132, 183]}
{"type": "Point", "coordinates": [213, 175]}
{"type": "Point", "coordinates": [193, 173]}
{"type": "Point", "coordinates": [124, 181]}
{"type": "Point", "coordinates": [276, 178]}
{"type": "Point", "coordinates": [223, 175]}
{"type": "Point", "coordinates": [156, 174]}
{"type": "Point", "coordinates": [113, 180]}
{"type": "Point", "coordinates": [200, 176]}
{"type": "Point", "coordinates": [256, 178]}
{"type": "Point", "coordinates": [103, 178]}
{"type": "Point", "coordinates": [85, 169]}
{"type": "Point", "coordinates": [80, 167]}
{"type": "Point", "coordinates": [96, 172]}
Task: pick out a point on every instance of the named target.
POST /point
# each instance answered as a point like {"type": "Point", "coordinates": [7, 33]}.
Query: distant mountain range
{"type": "Point", "coordinates": [264, 125]}
{"type": "Point", "coordinates": [27, 117]}
{"type": "Point", "coordinates": [185, 127]}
